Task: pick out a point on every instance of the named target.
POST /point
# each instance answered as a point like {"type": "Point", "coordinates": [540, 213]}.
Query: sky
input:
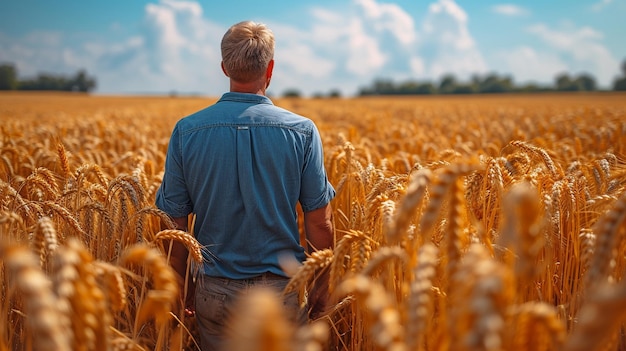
{"type": "Point", "coordinates": [162, 46]}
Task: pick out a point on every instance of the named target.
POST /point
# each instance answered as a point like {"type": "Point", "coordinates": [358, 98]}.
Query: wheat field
{"type": "Point", "coordinates": [462, 223]}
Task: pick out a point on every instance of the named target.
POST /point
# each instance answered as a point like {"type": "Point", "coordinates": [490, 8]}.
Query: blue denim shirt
{"type": "Point", "coordinates": [242, 165]}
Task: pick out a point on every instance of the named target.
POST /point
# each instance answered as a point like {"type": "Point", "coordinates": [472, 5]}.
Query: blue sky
{"type": "Point", "coordinates": [171, 45]}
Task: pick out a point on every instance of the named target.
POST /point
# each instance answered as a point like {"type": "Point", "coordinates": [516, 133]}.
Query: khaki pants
{"type": "Point", "coordinates": [216, 299]}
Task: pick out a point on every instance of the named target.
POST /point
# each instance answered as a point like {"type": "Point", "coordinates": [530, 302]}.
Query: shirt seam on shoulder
{"type": "Point", "coordinates": [305, 131]}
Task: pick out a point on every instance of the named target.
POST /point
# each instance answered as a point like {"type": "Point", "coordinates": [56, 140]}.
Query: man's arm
{"type": "Point", "coordinates": [178, 261]}
{"type": "Point", "coordinates": [319, 228]}
{"type": "Point", "coordinates": [320, 233]}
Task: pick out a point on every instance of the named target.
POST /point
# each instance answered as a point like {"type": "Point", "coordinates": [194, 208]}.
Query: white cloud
{"type": "Point", "coordinates": [509, 10]}
{"type": "Point", "coordinates": [178, 49]}
{"type": "Point", "coordinates": [418, 67]}
{"type": "Point", "coordinates": [36, 52]}
{"type": "Point", "coordinates": [565, 39]}
{"type": "Point", "coordinates": [446, 23]}
{"type": "Point", "coordinates": [302, 60]}
{"type": "Point", "coordinates": [365, 54]}
{"type": "Point", "coordinates": [582, 48]}
{"type": "Point", "coordinates": [340, 46]}
{"type": "Point", "coordinates": [448, 45]}
{"type": "Point", "coordinates": [600, 5]}
{"type": "Point", "coordinates": [389, 17]}
{"type": "Point", "coordinates": [529, 64]}
{"type": "Point", "coordinates": [450, 8]}
{"type": "Point", "coordinates": [192, 8]}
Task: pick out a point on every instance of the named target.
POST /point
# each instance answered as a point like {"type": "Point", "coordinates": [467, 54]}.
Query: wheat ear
{"type": "Point", "coordinates": [555, 173]}
{"type": "Point", "coordinates": [259, 323]}
{"type": "Point", "coordinates": [599, 318]}
{"type": "Point", "coordinates": [113, 280]}
{"type": "Point", "coordinates": [538, 327]}
{"type": "Point", "coordinates": [383, 255]}
{"type": "Point", "coordinates": [438, 193]}
{"type": "Point", "coordinates": [186, 238]}
{"type": "Point", "coordinates": [410, 202]}
{"type": "Point", "coordinates": [342, 250]}
{"type": "Point", "coordinates": [480, 322]}
{"type": "Point", "coordinates": [160, 299]}
{"type": "Point", "coordinates": [40, 302]}
{"type": "Point", "coordinates": [312, 337]}
{"type": "Point", "coordinates": [44, 240]}
{"type": "Point", "coordinates": [316, 261]}
{"type": "Point", "coordinates": [65, 163]}
{"type": "Point", "coordinates": [384, 318]}
{"type": "Point", "coordinates": [420, 299]}
{"type": "Point", "coordinates": [606, 230]}
{"type": "Point", "coordinates": [80, 296]}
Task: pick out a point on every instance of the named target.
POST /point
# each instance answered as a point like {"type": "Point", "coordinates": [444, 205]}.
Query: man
{"type": "Point", "coordinates": [241, 166]}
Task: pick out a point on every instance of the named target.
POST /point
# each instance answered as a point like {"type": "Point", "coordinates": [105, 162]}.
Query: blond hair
{"type": "Point", "coordinates": [247, 49]}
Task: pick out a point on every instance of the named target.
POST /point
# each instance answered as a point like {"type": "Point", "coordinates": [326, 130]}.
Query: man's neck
{"type": "Point", "coordinates": [257, 87]}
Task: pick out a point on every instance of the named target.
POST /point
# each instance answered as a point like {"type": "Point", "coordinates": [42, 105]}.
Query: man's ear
{"type": "Point", "coordinates": [270, 69]}
{"type": "Point", "coordinates": [268, 73]}
{"type": "Point", "coordinates": [223, 69]}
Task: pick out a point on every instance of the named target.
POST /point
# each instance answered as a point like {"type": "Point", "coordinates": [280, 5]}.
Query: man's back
{"type": "Point", "coordinates": [242, 165]}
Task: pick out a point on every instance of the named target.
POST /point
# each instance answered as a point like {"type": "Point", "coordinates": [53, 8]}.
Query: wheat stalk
{"type": "Point", "coordinates": [185, 238]}
{"type": "Point", "coordinates": [42, 314]}
{"type": "Point", "coordinates": [81, 299]}
{"type": "Point", "coordinates": [387, 332]}
{"type": "Point", "coordinates": [421, 302]}
{"type": "Point", "coordinates": [318, 260]}
{"type": "Point", "coordinates": [259, 323]}
{"type": "Point", "coordinates": [44, 240]}
{"type": "Point", "coordinates": [160, 299]}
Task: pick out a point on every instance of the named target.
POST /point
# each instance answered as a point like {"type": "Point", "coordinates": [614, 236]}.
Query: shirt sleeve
{"type": "Point", "coordinates": [172, 196]}
{"type": "Point", "coordinates": [316, 191]}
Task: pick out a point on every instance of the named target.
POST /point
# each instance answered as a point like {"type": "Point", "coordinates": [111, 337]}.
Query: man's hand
{"type": "Point", "coordinates": [188, 296]}
{"type": "Point", "coordinates": [318, 296]}
{"type": "Point", "coordinates": [320, 233]}
{"type": "Point", "coordinates": [178, 257]}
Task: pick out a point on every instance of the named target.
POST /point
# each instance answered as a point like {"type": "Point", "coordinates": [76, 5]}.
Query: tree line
{"type": "Point", "coordinates": [80, 82]}
{"type": "Point", "coordinates": [488, 84]}
{"type": "Point", "coordinates": [448, 84]}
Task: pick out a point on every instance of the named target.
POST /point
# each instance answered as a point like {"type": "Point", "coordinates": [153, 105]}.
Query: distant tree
{"type": "Point", "coordinates": [425, 88]}
{"type": "Point", "coordinates": [493, 83]}
{"type": "Point", "coordinates": [364, 91]}
{"type": "Point", "coordinates": [447, 84]}
{"type": "Point", "coordinates": [620, 83]}
{"type": "Point", "coordinates": [45, 81]}
{"type": "Point", "coordinates": [464, 89]}
{"type": "Point", "coordinates": [8, 77]}
{"type": "Point", "coordinates": [81, 82]}
{"type": "Point", "coordinates": [475, 81]}
{"type": "Point", "coordinates": [384, 86]}
{"type": "Point", "coordinates": [563, 82]}
{"type": "Point", "coordinates": [292, 93]}
{"type": "Point", "coordinates": [406, 88]}
{"type": "Point", "coordinates": [532, 88]}
{"type": "Point", "coordinates": [585, 82]}
{"type": "Point", "coordinates": [379, 87]}
{"type": "Point", "coordinates": [334, 93]}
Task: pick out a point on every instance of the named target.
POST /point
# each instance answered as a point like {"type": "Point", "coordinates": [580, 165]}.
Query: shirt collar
{"type": "Point", "coordinates": [245, 97]}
